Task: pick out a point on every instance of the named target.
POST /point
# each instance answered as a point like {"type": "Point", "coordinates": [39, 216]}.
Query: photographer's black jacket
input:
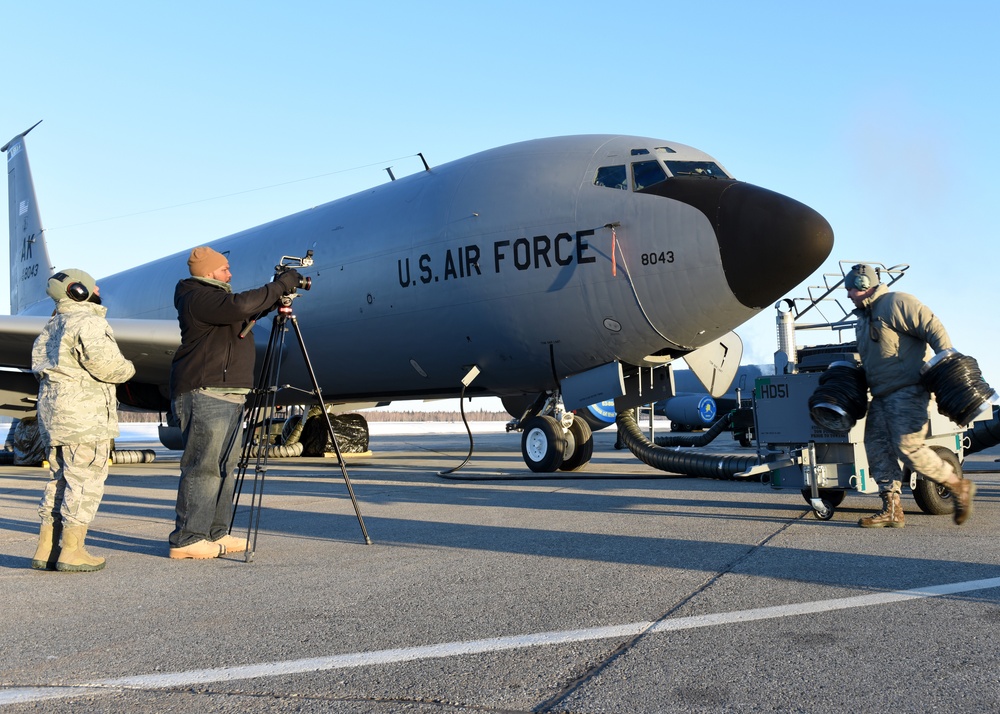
{"type": "Point", "coordinates": [211, 319]}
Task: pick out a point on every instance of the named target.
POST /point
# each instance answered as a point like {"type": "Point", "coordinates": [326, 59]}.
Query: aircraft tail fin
{"type": "Point", "coordinates": [29, 258]}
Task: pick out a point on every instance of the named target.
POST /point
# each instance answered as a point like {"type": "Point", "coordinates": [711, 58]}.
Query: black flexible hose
{"type": "Point", "coordinates": [702, 439]}
{"type": "Point", "coordinates": [731, 465]}
{"type": "Point", "coordinates": [133, 456]}
{"type": "Point", "coordinates": [841, 398]}
{"type": "Point", "coordinates": [958, 385]}
{"type": "Point", "coordinates": [720, 466]}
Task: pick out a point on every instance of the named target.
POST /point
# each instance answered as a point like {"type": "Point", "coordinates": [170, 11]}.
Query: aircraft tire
{"type": "Point", "coordinates": [543, 445]}
{"type": "Point", "coordinates": [933, 498]}
{"type": "Point", "coordinates": [583, 451]}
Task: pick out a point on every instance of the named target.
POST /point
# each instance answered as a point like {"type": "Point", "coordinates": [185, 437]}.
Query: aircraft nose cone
{"type": "Point", "coordinates": [769, 243]}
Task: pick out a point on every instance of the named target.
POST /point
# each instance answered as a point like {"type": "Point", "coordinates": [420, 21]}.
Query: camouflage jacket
{"type": "Point", "coordinates": [78, 363]}
{"type": "Point", "coordinates": [894, 331]}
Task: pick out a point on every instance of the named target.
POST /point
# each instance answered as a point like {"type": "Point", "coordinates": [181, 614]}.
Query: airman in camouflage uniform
{"type": "Point", "coordinates": [894, 331]}
{"type": "Point", "coordinates": [78, 363]}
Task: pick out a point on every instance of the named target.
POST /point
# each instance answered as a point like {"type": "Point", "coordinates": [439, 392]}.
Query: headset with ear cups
{"type": "Point", "coordinates": [75, 291]}
{"type": "Point", "coordinates": [860, 280]}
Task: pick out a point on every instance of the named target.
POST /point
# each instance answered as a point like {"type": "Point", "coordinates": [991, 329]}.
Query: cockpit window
{"type": "Point", "coordinates": [611, 177]}
{"type": "Point", "coordinates": [704, 169]}
{"type": "Point", "coordinates": [647, 173]}
{"type": "Point", "coordinates": [640, 152]}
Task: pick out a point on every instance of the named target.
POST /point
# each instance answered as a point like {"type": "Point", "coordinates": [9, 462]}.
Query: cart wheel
{"type": "Point", "coordinates": [931, 497]}
{"type": "Point", "coordinates": [825, 514]}
{"type": "Point", "coordinates": [831, 496]}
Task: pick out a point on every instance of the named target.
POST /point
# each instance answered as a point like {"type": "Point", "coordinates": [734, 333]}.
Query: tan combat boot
{"type": "Point", "coordinates": [962, 492]}
{"type": "Point", "coordinates": [74, 558]}
{"type": "Point", "coordinates": [47, 552]}
{"type": "Point", "coordinates": [891, 515]}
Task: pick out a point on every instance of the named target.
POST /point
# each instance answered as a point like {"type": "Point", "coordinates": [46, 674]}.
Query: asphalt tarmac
{"type": "Point", "coordinates": [626, 590]}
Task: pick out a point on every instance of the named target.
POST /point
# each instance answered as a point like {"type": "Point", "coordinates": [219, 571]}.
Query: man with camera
{"type": "Point", "coordinates": [210, 376]}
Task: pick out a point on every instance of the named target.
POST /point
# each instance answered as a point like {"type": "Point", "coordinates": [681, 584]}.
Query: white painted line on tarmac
{"type": "Point", "coordinates": [495, 644]}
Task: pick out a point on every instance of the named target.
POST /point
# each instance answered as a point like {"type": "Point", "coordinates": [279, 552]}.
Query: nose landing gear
{"type": "Point", "coordinates": [552, 438]}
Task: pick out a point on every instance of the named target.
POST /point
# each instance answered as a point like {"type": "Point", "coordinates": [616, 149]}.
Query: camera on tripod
{"type": "Point", "coordinates": [288, 262]}
{"type": "Point", "coordinates": [263, 403]}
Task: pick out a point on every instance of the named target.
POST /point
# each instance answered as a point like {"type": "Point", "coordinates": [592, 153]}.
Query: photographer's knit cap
{"type": "Point", "coordinates": [204, 260]}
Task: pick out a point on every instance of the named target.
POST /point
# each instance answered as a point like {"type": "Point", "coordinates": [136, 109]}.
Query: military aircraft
{"type": "Point", "coordinates": [554, 273]}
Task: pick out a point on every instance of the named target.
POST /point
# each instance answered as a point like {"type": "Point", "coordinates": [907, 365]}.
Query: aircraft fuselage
{"type": "Point", "coordinates": [527, 261]}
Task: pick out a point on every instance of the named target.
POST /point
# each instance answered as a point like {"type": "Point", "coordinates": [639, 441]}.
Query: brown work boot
{"type": "Point", "coordinates": [962, 493]}
{"type": "Point", "coordinates": [232, 544]}
{"type": "Point", "coordinates": [199, 550]}
{"type": "Point", "coordinates": [891, 515]}
{"type": "Point", "coordinates": [47, 552]}
{"type": "Point", "coordinates": [73, 557]}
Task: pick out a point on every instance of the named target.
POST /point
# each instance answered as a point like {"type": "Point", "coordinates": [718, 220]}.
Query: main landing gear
{"type": "Point", "coordinates": [553, 439]}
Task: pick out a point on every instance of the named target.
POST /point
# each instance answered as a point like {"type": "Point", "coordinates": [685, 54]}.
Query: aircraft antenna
{"type": "Point", "coordinates": [426, 165]}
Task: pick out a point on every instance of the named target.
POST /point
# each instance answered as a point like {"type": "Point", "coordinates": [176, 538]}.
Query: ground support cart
{"type": "Point", "coordinates": [823, 464]}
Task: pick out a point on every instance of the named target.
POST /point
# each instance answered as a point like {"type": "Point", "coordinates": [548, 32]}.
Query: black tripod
{"type": "Point", "coordinates": [260, 416]}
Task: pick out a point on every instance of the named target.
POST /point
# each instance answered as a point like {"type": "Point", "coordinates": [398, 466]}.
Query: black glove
{"type": "Point", "coordinates": [290, 280]}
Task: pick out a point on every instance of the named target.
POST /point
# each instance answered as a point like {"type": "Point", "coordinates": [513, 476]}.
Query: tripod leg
{"type": "Point", "coordinates": [329, 426]}
{"type": "Point", "coordinates": [260, 411]}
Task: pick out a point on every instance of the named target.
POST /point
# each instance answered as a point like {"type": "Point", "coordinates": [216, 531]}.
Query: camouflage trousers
{"type": "Point", "coordinates": [895, 430]}
{"type": "Point", "coordinates": [76, 486]}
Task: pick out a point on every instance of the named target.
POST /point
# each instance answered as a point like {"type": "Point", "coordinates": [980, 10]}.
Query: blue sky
{"type": "Point", "coordinates": [169, 125]}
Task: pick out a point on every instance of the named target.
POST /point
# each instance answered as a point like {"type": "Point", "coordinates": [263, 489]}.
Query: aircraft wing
{"type": "Point", "coordinates": [17, 335]}
{"type": "Point", "coordinates": [18, 393]}
{"type": "Point", "coordinates": [18, 387]}
{"type": "Point", "coordinates": [150, 344]}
